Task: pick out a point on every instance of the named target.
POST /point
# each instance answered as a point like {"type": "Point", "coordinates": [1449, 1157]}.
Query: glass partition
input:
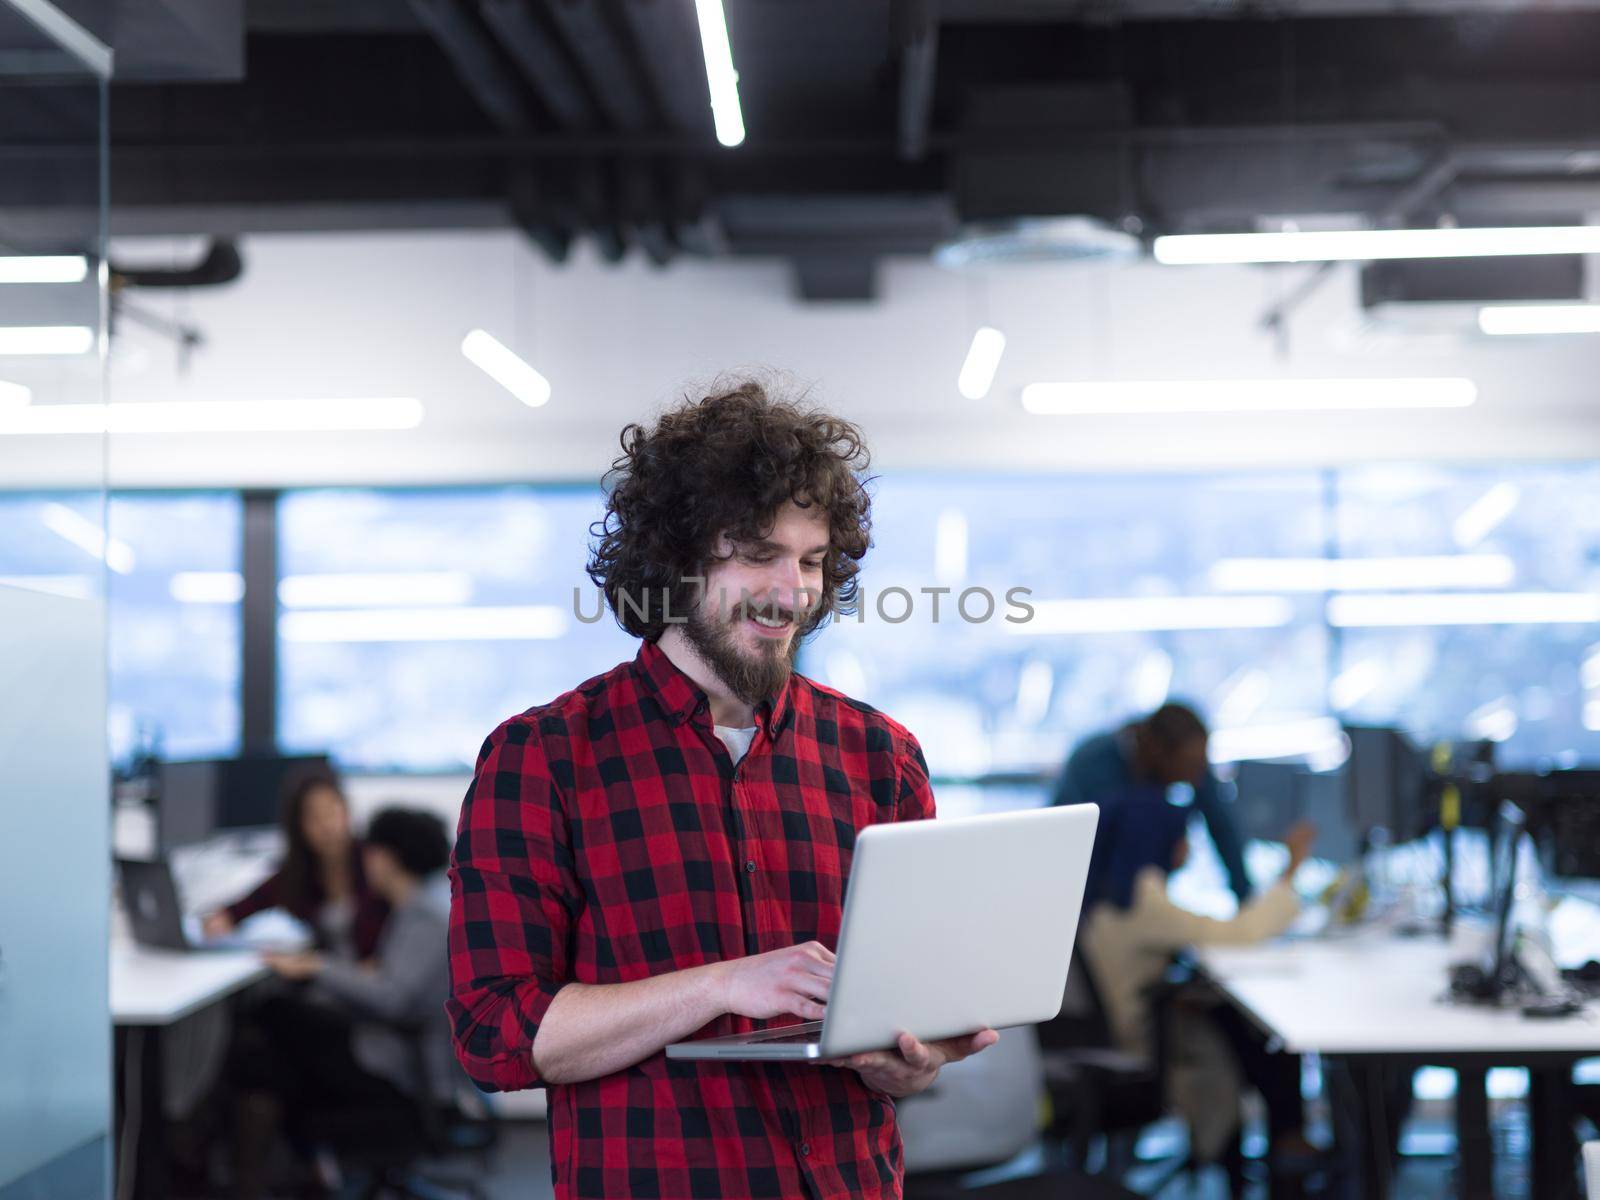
{"type": "Point", "coordinates": [55, 1028]}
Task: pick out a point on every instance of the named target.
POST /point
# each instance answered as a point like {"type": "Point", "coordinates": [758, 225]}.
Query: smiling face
{"type": "Point", "coordinates": [758, 596]}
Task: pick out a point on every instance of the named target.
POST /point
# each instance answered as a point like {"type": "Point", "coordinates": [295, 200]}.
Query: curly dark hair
{"type": "Point", "coordinates": [725, 463]}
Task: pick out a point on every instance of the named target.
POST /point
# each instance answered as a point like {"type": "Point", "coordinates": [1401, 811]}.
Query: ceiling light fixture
{"type": "Point", "coordinates": [43, 268]}
{"type": "Point", "coordinates": [377, 589]}
{"type": "Point", "coordinates": [14, 395]}
{"type": "Point", "coordinates": [206, 587]}
{"type": "Point", "coordinates": [983, 360]}
{"type": "Point", "coordinates": [1115, 397]}
{"type": "Point", "coordinates": [1149, 614]}
{"type": "Point", "coordinates": [722, 79]}
{"type": "Point", "coordinates": [1500, 320]}
{"type": "Point", "coordinates": [534, 622]}
{"type": "Point", "coordinates": [46, 339]}
{"type": "Point", "coordinates": [1367, 245]}
{"type": "Point", "coordinates": [1464, 608]}
{"type": "Point", "coordinates": [1362, 574]}
{"type": "Point", "coordinates": [215, 416]}
{"type": "Point", "coordinates": [503, 365]}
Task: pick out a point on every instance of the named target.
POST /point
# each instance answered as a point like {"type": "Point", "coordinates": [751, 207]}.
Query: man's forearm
{"type": "Point", "coordinates": [591, 1030]}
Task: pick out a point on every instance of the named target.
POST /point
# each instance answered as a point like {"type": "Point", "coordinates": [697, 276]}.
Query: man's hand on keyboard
{"type": "Point", "coordinates": [914, 1065]}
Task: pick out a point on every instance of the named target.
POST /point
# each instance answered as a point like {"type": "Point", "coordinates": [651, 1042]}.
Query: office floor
{"type": "Point", "coordinates": [522, 1169]}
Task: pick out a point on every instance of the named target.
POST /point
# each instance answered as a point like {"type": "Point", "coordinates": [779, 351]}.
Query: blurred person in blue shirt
{"type": "Point", "coordinates": [1167, 747]}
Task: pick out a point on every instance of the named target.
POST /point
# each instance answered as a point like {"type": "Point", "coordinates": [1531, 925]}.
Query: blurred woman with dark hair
{"type": "Point", "coordinates": [322, 880]}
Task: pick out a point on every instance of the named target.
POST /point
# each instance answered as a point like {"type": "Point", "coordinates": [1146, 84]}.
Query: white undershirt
{"type": "Point", "coordinates": [736, 740]}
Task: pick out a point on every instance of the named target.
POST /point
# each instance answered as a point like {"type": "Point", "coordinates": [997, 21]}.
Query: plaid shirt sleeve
{"type": "Point", "coordinates": [514, 897]}
{"type": "Point", "coordinates": [915, 798]}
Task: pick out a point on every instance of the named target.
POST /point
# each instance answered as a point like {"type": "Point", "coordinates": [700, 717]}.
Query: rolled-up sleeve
{"type": "Point", "coordinates": [513, 899]}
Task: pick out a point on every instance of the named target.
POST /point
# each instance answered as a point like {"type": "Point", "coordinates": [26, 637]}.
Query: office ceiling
{"type": "Point", "coordinates": [876, 127]}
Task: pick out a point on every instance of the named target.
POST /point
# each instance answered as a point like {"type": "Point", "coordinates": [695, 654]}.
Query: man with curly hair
{"type": "Point", "coordinates": [661, 853]}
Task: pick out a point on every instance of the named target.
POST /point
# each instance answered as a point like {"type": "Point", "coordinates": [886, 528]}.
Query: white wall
{"type": "Point", "coordinates": [373, 315]}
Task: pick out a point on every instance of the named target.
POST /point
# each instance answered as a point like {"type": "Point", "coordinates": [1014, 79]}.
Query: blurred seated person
{"type": "Point", "coordinates": [309, 1049]}
{"type": "Point", "coordinates": [1165, 748]}
{"type": "Point", "coordinates": [1131, 930]}
{"type": "Point", "coordinates": [322, 880]}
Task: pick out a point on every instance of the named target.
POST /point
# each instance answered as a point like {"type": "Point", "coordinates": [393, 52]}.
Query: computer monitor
{"type": "Point", "coordinates": [186, 802]}
{"type": "Point", "coordinates": [1264, 807]}
{"type": "Point", "coordinates": [1510, 824]}
{"type": "Point", "coordinates": [1569, 823]}
{"type": "Point", "coordinates": [1384, 781]}
{"type": "Point", "coordinates": [1320, 799]}
{"type": "Point", "coordinates": [251, 789]}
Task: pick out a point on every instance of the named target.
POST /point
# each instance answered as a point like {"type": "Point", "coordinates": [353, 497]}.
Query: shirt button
{"type": "Point", "coordinates": [805, 1149]}
{"type": "Point", "coordinates": [750, 867]}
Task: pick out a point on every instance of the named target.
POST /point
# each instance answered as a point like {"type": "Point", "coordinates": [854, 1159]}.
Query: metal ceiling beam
{"type": "Point", "coordinates": [542, 62]}
{"type": "Point", "coordinates": [666, 30]}
{"type": "Point", "coordinates": [594, 42]}
{"type": "Point", "coordinates": [477, 61]}
{"type": "Point", "coordinates": [916, 31]}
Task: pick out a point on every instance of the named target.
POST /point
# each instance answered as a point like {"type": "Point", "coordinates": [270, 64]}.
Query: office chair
{"type": "Point", "coordinates": [382, 1147]}
{"type": "Point", "coordinates": [1098, 1091]}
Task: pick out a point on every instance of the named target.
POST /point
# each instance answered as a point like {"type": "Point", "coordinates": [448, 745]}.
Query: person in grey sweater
{"type": "Point", "coordinates": [408, 977]}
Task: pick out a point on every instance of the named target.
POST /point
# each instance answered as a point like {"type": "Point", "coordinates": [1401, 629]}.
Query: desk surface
{"type": "Point", "coordinates": [158, 987]}
{"type": "Point", "coordinates": [1379, 993]}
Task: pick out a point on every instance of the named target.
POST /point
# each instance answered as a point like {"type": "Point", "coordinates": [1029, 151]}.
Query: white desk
{"type": "Point", "coordinates": [1379, 993]}
{"type": "Point", "coordinates": [1374, 999]}
{"type": "Point", "coordinates": [160, 987]}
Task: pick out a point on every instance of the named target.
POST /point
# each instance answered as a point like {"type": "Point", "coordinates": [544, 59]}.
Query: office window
{"type": "Point", "coordinates": [175, 590]}
{"type": "Point", "coordinates": [1142, 588]}
{"type": "Point", "coordinates": [412, 623]}
{"type": "Point", "coordinates": [1489, 622]}
{"type": "Point", "coordinates": [169, 565]}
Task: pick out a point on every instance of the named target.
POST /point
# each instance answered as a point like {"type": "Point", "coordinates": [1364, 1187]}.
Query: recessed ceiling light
{"type": "Point", "coordinates": [503, 365]}
{"type": "Point", "coordinates": [1366, 245]}
{"type": "Point", "coordinates": [721, 78]}
{"type": "Point", "coordinates": [216, 416]}
{"type": "Point", "coordinates": [43, 268]}
{"type": "Point", "coordinates": [1114, 397]}
{"type": "Point", "coordinates": [46, 339]}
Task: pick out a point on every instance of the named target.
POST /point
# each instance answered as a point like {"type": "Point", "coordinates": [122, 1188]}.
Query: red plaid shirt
{"type": "Point", "coordinates": [608, 837]}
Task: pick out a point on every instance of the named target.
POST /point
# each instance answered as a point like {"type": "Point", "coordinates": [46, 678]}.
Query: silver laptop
{"type": "Point", "coordinates": [950, 926]}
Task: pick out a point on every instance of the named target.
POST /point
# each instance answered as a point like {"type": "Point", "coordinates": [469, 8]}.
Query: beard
{"type": "Point", "coordinates": [753, 676]}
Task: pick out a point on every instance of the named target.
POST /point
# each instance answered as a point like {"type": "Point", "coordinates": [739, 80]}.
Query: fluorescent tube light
{"type": "Point", "coordinates": [721, 78]}
{"type": "Point", "coordinates": [983, 360]}
{"type": "Point", "coordinates": [1362, 574]}
{"type": "Point", "coordinates": [46, 339]}
{"type": "Point", "coordinates": [1512, 319]}
{"type": "Point", "coordinates": [14, 395]}
{"type": "Point", "coordinates": [501, 364]}
{"type": "Point", "coordinates": [1243, 395]}
{"type": "Point", "coordinates": [74, 587]}
{"type": "Point", "coordinates": [88, 537]}
{"type": "Point", "coordinates": [1480, 518]}
{"type": "Point", "coordinates": [1365, 245]}
{"type": "Point", "coordinates": [415, 589]}
{"type": "Point", "coordinates": [206, 587]}
{"type": "Point", "coordinates": [44, 268]}
{"type": "Point", "coordinates": [216, 416]}
{"type": "Point", "coordinates": [517, 624]}
{"type": "Point", "coordinates": [1464, 608]}
{"type": "Point", "coordinates": [1148, 614]}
